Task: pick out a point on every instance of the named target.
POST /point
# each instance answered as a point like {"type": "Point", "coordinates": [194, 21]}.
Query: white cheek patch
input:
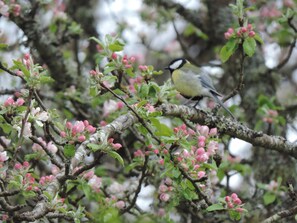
{"type": "Point", "coordinates": [176, 64]}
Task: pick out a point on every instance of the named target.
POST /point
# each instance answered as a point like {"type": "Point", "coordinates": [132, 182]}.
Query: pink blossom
{"type": "Point", "coordinates": [109, 107]}
{"type": "Point", "coordinates": [213, 132]}
{"type": "Point", "coordinates": [168, 181]}
{"type": "Point", "coordinates": [91, 129]}
{"type": "Point", "coordinates": [164, 197]}
{"type": "Point", "coordinates": [120, 105]}
{"type": "Point", "coordinates": [55, 170]}
{"type": "Point", "coordinates": [52, 147]}
{"type": "Point", "coordinates": [120, 204]}
{"type": "Point", "coordinates": [138, 153]}
{"type": "Point", "coordinates": [156, 151]}
{"type": "Point", "coordinates": [4, 9]}
{"type": "Point", "coordinates": [27, 130]}
{"type": "Point", "coordinates": [201, 174]}
{"type": "Point", "coordinates": [20, 101]}
{"type": "Point", "coordinates": [3, 156]}
{"type": "Point", "coordinates": [78, 127]}
{"type": "Point", "coordinates": [88, 175]}
{"type": "Point", "coordinates": [161, 212]}
{"type": "Point", "coordinates": [132, 59]}
{"type": "Point", "coordinates": [95, 183]}
{"type": "Point", "coordinates": [163, 188]}
{"type": "Point", "coordinates": [204, 130]}
{"type": "Point", "coordinates": [16, 9]}
{"type": "Point", "coordinates": [142, 68]}
{"type": "Point", "coordinates": [8, 102]}
{"type": "Point", "coordinates": [150, 108]}
{"type": "Point", "coordinates": [127, 66]}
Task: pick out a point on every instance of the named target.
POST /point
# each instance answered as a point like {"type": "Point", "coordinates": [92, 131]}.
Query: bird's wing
{"type": "Point", "coordinates": [207, 83]}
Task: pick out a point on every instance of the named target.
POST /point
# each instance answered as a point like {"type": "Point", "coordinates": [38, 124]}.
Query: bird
{"type": "Point", "coordinates": [192, 82]}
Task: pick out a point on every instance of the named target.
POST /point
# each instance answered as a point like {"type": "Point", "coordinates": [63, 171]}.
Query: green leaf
{"type": "Point", "coordinates": [69, 150]}
{"type": "Point", "coordinates": [116, 156]}
{"type": "Point", "coordinates": [94, 147]}
{"type": "Point", "coordinates": [97, 41]}
{"type": "Point", "coordinates": [228, 49]}
{"type": "Point", "coordinates": [22, 67]}
{"type": "Point", "coordinates": [108, 69]}
{"type": "Point", "coordinates": [46, 80]}
{"type": "Point", "coordinates": [116, 46]}
{"type": "Point", "coordinates": [269, 198]}
{"type": "Point", "coordinates": [258, 38]}
{"type": "Point", "coordinates": [215, 207]}
{"type": "Point", "coordinates": [7, 128]}
{"type": "Point", "coordinates": [249, 46]}
{"type": "Point", "coordinates": [3, 46]}
{"type": "Point", "coordinates": [161, 129]}
{"type": "Point", "coordinates": [234, 215]}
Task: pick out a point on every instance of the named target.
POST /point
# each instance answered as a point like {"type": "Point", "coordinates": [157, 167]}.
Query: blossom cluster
{"type": "Point", "coordinates": [241, 32]}
{"type": "Point", "coordinates": [12, 7]}
{"type": "Point", "coordinates": [11, 102]}
{"type": "Point", "coordinates": [78, 131]}
{"type": "Point", "coordinates": [270, 116]}
{"type": "Point", "coordinates": [166, 190]}
{"type": "Point", "coordinates": [234, 202]}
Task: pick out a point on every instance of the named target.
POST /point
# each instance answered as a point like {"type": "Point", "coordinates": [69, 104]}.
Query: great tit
{"type": "Point", "coordinates": [192, 82]}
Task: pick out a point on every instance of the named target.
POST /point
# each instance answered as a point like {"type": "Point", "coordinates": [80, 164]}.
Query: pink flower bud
{"type": "Point", "coordinates": [117, 146]}
{"type": "Point", "coordinates": [239, 210]}
{"type": "Point", "coordinates": [161, 162]}
{"type": "Point", "coordinates": [20, 101]}
{"type": "Point", "coordinates": [63, 134]}
{"type": "Point", "coordinates": [200, 151]}
{"type": "Point", "coordinates": [26, 164]}
{"type": "Point", "coordinates": [237, 201]}
{"type": "Point", "coordinates": [132, 59]}
{"type": "Point", "coordinates": [227, 35]}
{"type": "Point", "coordinates": [156, 151]}
{"type": "Point", "coordinates": [250, 27]}
{"type": "Point", "coordinates": [27, 56]}
{"type": "Point", "coordinates": [230, 205]}
{"type": "Point", "coordinates": [91, 129]}
{"type": "Point", "coordinates": [227, 198]}
{"type": "Point", "coordinates": [120, 204]}
{"type": "Point", "coordinates": [68, 125]}
{"type": "Point", "coordinates": [127, 66]}
{"type": "Point", "coordinates": [196, 167]}
{"type": "Point", "coordinates": [81, 138]}
{"type": "Point", "coordinates": [252, 34]}
{"type": "Point", "coordinates": [8, 102]}
{"type": "Point", "coordinates": [18, 166]}
{"type": "Point", "coordinates": [93, 73]}
{"type": "Point", "coordinates": [230, 31]}
{"type": "Point", "coordinates": [213, 132]}
{"type": "Point", "coordinates": [243, 29]}
{"type": "Point", "coordinates": [114, 56]}
{"type": "Point", "coordinates": [234, 196]}
{"type": "Point", "coordinates": [204, 130]}
{"type": "Point", "coordinates": [168, 181]}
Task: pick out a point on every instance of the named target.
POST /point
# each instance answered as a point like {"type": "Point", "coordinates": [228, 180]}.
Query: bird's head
{"type": "Point", "coordinates": [176, 64]}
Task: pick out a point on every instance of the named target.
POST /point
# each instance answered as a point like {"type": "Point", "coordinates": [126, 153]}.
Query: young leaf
{"type": "Point", "coordinates": [69, 150]}
{"type": "Point", "coordinates": [116, 156]}
{"type": "Point", "coordinates": [228, 49]}
{"type": "Point", "coordinates": [249, 46]}
{"type": "Point", "coordinates": [215, 207]}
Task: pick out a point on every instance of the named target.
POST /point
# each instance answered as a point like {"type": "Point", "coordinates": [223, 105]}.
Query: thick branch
{"type": "Point", "coordinates": [282, 214]}
{"type": "Point", "coordinates": [231, 128]}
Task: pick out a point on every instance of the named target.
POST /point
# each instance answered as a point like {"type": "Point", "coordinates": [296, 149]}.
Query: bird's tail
{"type": "Point", "coordinates": [222, 105]}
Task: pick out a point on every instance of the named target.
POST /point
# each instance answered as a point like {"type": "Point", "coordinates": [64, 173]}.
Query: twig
{"type": "Point", "coordinates": [143, 174]}
{"type": "Point", "coordinates": [51, 155]}
{"type": "Point", "coordinates": [132, 109]}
